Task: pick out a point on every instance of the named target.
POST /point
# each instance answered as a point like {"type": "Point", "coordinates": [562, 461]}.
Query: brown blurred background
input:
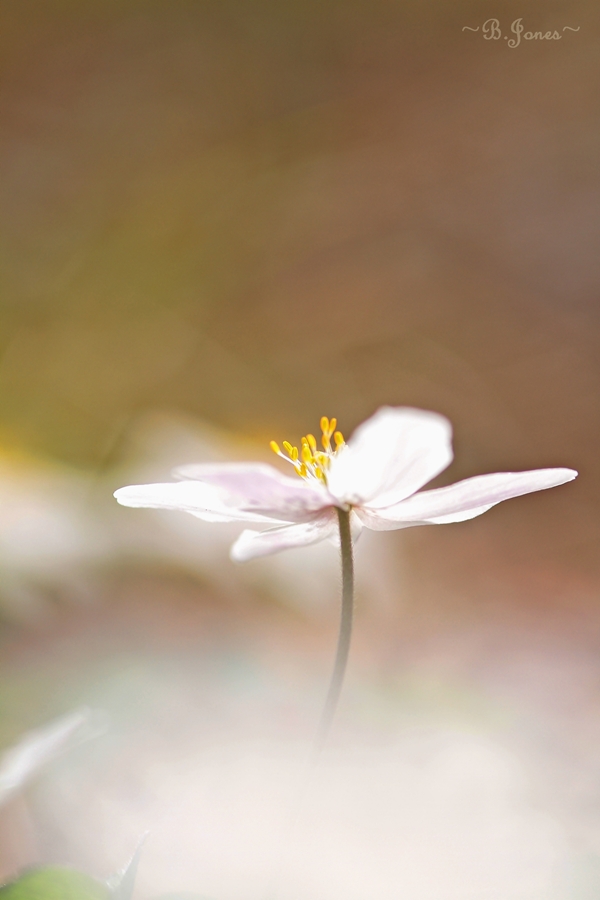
{"type": "Point", "coordinates": [220, 221]}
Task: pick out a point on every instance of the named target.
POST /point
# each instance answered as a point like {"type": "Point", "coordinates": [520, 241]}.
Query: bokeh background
{"type": "Point", "coordinates": [220, 221]}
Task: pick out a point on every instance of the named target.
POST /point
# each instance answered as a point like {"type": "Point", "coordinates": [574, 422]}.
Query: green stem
{"type": "Point", "coordinates": [344, 636]}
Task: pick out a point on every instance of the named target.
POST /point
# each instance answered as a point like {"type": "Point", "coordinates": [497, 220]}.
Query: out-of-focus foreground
{"type": "Point", "coordinates": [219, 222]}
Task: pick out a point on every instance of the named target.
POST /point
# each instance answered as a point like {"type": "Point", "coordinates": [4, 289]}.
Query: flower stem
{"type": "Point", "coordinates": [344, 636]}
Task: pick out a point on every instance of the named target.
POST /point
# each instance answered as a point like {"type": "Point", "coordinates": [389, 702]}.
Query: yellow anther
{"type": "Point", "coordinates": [311, 462]}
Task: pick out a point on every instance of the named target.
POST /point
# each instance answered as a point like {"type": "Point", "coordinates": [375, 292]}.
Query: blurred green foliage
{"type": "Point", "coordinates": [55, 883]}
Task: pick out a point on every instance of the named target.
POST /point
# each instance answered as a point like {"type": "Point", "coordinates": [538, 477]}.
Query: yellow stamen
{"type": "Point", "coordinates": [310, 462]}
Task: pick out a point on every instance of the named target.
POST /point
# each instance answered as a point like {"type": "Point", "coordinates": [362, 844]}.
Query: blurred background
{"type": "Point", "coordinates": [219, 222]}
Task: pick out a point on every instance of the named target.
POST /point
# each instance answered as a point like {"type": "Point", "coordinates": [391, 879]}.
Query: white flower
{"type": "Point", "coordinates": [376, 475]}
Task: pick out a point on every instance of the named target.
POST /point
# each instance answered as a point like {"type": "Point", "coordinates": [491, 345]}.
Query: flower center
{"type": "Point", "coordinates": [309, 462]}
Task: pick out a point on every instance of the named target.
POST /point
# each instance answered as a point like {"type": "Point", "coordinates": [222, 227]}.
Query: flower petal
{"type": "Point", "coordinates": [260, 489]}
{"type": "Point", "coordinates": [202, 500]}
{"type": "Point", "coordinates": [252, 544]}
{"type": "Point", "coordinates": [463, 500]}
{"type": "Point", "coordinates": [390, 456]}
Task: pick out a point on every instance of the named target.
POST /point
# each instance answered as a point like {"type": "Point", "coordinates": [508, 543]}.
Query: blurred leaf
{"type": "Point", "coordinates": [36, 748]}
{"type": "Point", "coordinates": [55, 883]}
{"type": "Point", "coordinates": [121, 885]}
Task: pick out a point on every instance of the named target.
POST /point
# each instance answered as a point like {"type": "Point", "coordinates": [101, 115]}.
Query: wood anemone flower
{"type": "Point", "coordinates": [373, 481]}
{"type": "Point", "coordinates": [376, 477]}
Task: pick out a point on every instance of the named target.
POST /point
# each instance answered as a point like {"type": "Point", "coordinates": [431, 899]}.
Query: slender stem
{"type": "Point", "coordinates": [344, 636]}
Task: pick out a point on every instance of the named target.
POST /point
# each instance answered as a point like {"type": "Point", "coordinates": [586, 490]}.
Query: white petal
{"type": "Point", "coordinates": [252, 544]}
{"type": "Point", "coordinates": [261, 489]}
{"type": "Point", "coordinates": [202, 500]}
{"type": "Point", "coordinates": [390, 456]}
{"type": "Point", "coordinates": [463, 500]}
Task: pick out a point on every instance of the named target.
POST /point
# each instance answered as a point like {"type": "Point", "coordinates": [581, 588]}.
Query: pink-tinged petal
{"type": "Point", "coordinates": [463, 500]}
{"type": "Point", "coordinates": [390, 456]}
{"type": "Point", "coordinates": [260, 489]}
{"type": "Point", "coordinates": [252, 544]}
{"type": "Point", "coordinates": [201, 500]}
